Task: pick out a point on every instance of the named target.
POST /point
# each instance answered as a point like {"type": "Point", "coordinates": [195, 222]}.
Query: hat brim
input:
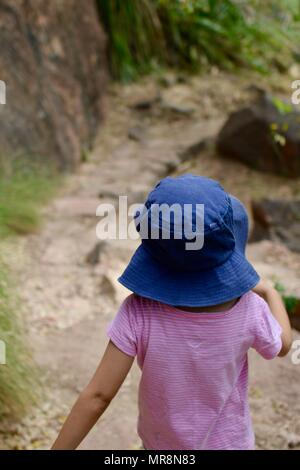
{"type": "Point", "coordinates": [151, 279]}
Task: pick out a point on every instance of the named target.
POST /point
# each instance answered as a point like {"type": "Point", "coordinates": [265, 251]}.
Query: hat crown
{"type": "Point", "coordinates": [189, 193]}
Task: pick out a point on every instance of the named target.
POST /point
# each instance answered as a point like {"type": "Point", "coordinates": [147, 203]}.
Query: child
{"type": "Point", "coordinates": [190, 321]}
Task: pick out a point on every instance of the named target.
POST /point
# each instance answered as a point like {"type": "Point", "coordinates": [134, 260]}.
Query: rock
{"type": "Point", "coordinates": [278, 221]}
{"type": "Point", "coordinates": [265, 135]}
{"type": "Point", "coordinates": [114, 191]}
{"type": "Point", "coordinates": [194, 148]}
{"type": "Point", "coordinates": [197, 138]}
{"type": "Point", "coordinates": [292, 439]}
{"type": "Point", "coordinates": [53, 62]}
{"type": "Point", "coordinates": [93, 257]}
{"type": "Point", "coordinates": [136, 133]}
{"type": "Point", "coordinates": [167, 80]}
{"type": "Point", "coordinates": [145, 103]}
{"type": "Point", "coordinates": [181, 78]}
{"type": "Point", "coordinates": [177, 110]}
{"type": "Point", "coordinates": [107, 287]}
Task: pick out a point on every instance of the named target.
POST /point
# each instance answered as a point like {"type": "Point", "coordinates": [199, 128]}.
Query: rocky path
{"type": "Point", "coordinates": [68, 279]}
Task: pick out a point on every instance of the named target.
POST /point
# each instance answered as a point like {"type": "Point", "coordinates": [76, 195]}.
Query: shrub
{"type": "Point", "coordinates": [190, 34]}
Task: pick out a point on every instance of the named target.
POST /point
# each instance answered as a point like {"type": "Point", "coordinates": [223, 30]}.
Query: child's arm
{"type": "Point", "coordinates": [276, 305]}
{"type": "Point", "coordinates": [95, 398]}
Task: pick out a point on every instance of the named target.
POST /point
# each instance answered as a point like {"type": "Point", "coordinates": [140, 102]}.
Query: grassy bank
{"type": "Point", "coordinates": [25, 186]}
{"type": "Point", "coordinates": [193, 34]}
{"type": "Point", "coordinates": [17, 377]}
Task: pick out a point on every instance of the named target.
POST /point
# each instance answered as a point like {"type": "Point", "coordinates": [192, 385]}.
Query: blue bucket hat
{"type": "Point", "coordinates": [163, 269]}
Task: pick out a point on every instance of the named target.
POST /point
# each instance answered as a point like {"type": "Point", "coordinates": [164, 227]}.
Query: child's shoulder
{"type": "Point", "coordinates": [135, 302]}
{"type": "Point", "coordinates": [253, 299]}
{"type": "Point", "coordinates": [253, 306]}
{"type": "Point", "coordinates": [252, 302]}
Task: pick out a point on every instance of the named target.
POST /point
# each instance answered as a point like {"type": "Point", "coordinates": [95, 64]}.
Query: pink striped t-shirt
{"type": "Point", "coordinates": [193, 389]}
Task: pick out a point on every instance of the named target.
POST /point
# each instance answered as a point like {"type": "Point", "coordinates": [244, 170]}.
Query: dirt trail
{"type": "Point", "coordinates": [68, 283]}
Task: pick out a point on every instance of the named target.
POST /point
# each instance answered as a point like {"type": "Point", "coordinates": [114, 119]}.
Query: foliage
{"type": "Point", "coordinates": [290, 301]}
{"type": "Point", "coordinates": [25, 185]}
{"type": "Point", "coordinates": [281, 106]}
{"type": "Point", "coordinates": [135, 35]}
{"type": "Point", "coordinates": [190, 34]}
{"type": "Point", "coordinates": [17, 379]}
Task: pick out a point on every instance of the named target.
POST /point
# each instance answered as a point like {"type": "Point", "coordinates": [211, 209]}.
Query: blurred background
{"type": "Point", "coordinates": [103, 98]}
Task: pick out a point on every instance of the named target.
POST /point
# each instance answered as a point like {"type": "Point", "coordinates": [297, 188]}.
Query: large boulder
{"type": "Point", "coordinates": [265, 135]}
{"type": "Point", "coordinates": [53, 63]}
{"type": "Point", "coordinates": [277, 220]}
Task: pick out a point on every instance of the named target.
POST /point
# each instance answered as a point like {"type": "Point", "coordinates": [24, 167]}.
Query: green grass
{"type": "Point", "coordinates": [191, 34]}
{"type": "Point", "coordinates": [25, 186]}
{"type": "Point", "coordinates": [18, 382]}
{"type": "Point", "coordinates": [290, 301]}
{"type": "Point", "coordinates": [135, 36]}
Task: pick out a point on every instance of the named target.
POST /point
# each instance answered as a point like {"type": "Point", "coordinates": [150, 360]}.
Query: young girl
{"type": "Point", "coordinates": [190, 321]}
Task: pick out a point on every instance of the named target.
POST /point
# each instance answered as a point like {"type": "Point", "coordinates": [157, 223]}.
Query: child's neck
{"type": "Point", "coordinates": [213, 308]}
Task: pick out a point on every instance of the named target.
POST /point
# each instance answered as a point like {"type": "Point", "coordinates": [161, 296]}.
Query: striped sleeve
{"type": "Point", "coordinates": [122, 330]}
{"type": "Point", "coordinates": [267, 332]}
